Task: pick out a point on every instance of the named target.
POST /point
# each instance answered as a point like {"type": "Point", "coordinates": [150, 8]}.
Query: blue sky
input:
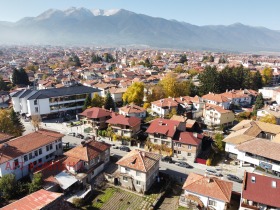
{"type": "Point", "coordinates": [199, 12]}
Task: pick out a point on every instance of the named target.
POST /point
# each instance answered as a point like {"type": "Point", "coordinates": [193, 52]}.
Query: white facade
{"type": "Point", "coordinates": [31, 159]}
{"type": "Point", "coordinates": [207, 201]}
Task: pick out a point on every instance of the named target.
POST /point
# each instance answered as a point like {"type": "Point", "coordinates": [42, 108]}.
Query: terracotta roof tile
{"type": "Point", "coordinates": [24, 144]}
{"type": "Point", "coordinates": [163, 126]}
{"type": "Point", "coordinates": [96, 112]}
{"type": "Point", "coordinates": [124, 120]}
{"type": "Point", "coordinates": [132, 108]}
{"type": "Point", "coordinates": [139, 160]}
{"type": "Point", "coordinates": [209, 186]}
{"type": "Point", "coordinates": [88, 151]}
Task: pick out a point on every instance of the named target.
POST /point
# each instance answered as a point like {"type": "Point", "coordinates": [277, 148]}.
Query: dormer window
{"type": "Point", "coordinates": [274, 184]}
{"type": "Point", "coordinates": [253, 179]}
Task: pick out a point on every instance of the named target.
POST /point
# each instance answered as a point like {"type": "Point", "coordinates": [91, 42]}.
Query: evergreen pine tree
{"type": "Point", "coordinates": [87, 102]}
{"type": "Point", "coordinates": [109, 102]}
{"type": "Point", "coordinates": [259, 103]}
{"type": "Point", "coordinates": [16, 77]}
{"type": "Point", "coordinates": [23, 77]}
{"type": "Point", "coordinates": [18, 126]}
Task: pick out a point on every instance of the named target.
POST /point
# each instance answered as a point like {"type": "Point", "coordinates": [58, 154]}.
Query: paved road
{"type": "Point", "coordinates": [173, 170]}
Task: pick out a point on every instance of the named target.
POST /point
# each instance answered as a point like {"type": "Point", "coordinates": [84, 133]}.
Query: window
{"type": "Point", "coordinates": [47, 156]}
{"type": "Point", "coordinates": [273, 184]}
{"type": "Point", "coordinates": [40, 151]}
{"type": "Point", "coordinates": [35, 102]}
{"type": "Point", "coordinates": [30, 156]}
{"type": "Point", "coordinates": [60, 145]}
{"type": "Point", "coordinates": [36, 109]}
{"type": "Point", "coordinates": [25, 158]}
{"type": "Point", "coordinates": [40, 160]}
{"type": "Point", "coordinates": [16, 163]}
{"type": "Point", "coordinates": [253, 179]}
{"type": "Point", "coordinates": [51, 147]}
{"type": "Point", "coordinates": [189, 146]}
{"type": "Point", "coordinates": [127, 170]}
{"type": "Point", "coordinates": [178, 152]}
{"type": "Point", "coordinates": [155, 140]}
{"type": "Point", "coordinates": [125, 178]}
{"type": "Point", "coordinates": [138, 182]}
{"type": "Point", "coordinates": [36, 153]}
{"type": "Point", "coordinates": [138, 173]}
{"type": "Point", "coordinates": [212, 203]}
{"type": "Point", "coordinates": [189, 154]}
{"type": "Point", "coordinates": [47, 148]}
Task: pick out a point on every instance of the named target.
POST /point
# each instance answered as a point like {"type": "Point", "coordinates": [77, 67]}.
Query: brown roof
{"type": "Point", "coordinates": [261, 190]}
{"type": "Point", "coordinates": [209, 186]}
{"type": "Point", "coordinates": [132, 108]}
{"type": "Point", "coordinates": [25, 144]}
{"type": "Point", "coordinates": [4, 137]}
{"type": "Point", "coordinates": [217, 108]}
{"type": "Point", "coordinates": [187, 138]}
{"type": "Point", "coordinates": [261, 147]}
{"type": "Point", "coordinates": [139, 160]}
{"type": "Point", "coordinates": [34, 201]}
{"type": "Point", "coordinates": [215, 97]}
{"type": "Point", "coordinates": [124, 120]}
{"type": "Point", "coordinates": [163, 126]}
{"type": "Point", "coordinates": [96, 112]}
{"type": "Point", "coordinates": [88, 151]}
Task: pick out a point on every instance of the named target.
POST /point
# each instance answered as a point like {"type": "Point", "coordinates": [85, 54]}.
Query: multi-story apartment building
{"type": "Point", "coordinates": [22, 155]}
{"type": "Point", "coordinates": [124, 125]}
{"type": "Point", "coordinates": [214, 115]}
{"type": "Point", "coordinates": [51, 101]}
{"type": "Point", "coordinates": [138, 170]}
{"type": "Point", "coordinates": [90, 157]}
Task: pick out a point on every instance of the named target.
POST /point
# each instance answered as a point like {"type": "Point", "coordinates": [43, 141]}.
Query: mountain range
{"type": "Point", "coordinates": [81, 26]}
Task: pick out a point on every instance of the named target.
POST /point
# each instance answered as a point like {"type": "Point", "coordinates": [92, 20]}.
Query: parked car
{"type": "Point", "coordinates": [124, 148]}
{"type": "Point", "coordinates": [184, 164]}
{"type": "Point", "coordinates": [72, 134]}
{"type": "Point", "coordinates": [234, 178]}
{"type": "Point", "coordinates": [80, 136]}
{"type": "Point", "coordinates": [213, 172]}
{"type": "Point", "coordinates": [167, 159]}
{"type": "Point", "coordinates": [116, 147]}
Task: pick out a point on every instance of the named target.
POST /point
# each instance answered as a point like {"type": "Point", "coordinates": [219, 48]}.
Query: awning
{"type": "Point", "coordinates": [65, 180]}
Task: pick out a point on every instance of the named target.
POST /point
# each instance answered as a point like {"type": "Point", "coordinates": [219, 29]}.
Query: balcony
{"type": "Point", "coordinates": [247, 206]}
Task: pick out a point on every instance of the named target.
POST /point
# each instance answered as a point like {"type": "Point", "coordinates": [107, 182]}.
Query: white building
{"type": "Point", "coordinates": [22, 155]}
{"type": "Point", "coordinates": [138, 170]}
{"type": "Point", "coordinates": [206, 192]}
{"type": "Point", "coordinates": [51, 101]}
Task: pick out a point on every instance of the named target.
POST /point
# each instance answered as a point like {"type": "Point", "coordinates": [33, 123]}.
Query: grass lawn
{"type": "Point", "coordinates": [108, 193]}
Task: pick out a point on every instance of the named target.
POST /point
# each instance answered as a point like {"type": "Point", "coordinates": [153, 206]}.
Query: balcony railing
{"type": "Point", "coordinates": [244, 205]}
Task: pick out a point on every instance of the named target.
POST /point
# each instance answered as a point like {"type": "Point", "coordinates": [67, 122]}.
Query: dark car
{"type": "Point", "coordinates": [213, 172]}
{"type": "Point", "coordinates": [167, 159]}
{"type": "Point", "coordinates": [80, 136]}
{"type": "Point", "coordinates": [184, 164]}
{"type": "Point", "coordinates": [124, 148]}
{"type": "Point", "coordinates": [116, 147]}
{"type": "Point", "coordinates": [234, 178]}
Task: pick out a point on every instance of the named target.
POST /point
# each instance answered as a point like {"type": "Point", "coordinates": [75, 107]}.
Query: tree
{"type": "Point", "coordinates": [109, 102]}
{"type": "Point", "coordinates": [256, 81]}
{"type": "Point", "coordinates": [6, 125]}
{"type": "Point", "coordinates": [3, 85]}
{"type": "Point", "coordinates": [8, 186]}
{"type": "Point", "coordinates": [97, 100]}
{"type": "Point", "coordinates": [268, 119]}
{"type": "Point", "coordinates": [169, 84]}
{"type": "Point", "coordinates": [36, 121]}
{"type": "Point", "coordinates": [134, 93]}
{"type": "Point", "coordinates": [148, 63]}
{"type": "Point", "coordinates": [258, 104]}
{"type": "Point", "coordinates": [87, 103]}
{"type": "Point", "coordinates": [267, 76]}
{"type": "Point", "coordinates": [74, 60]}
{"type": "Point", "coordinates": [158, 57]}
{"type": "Point", "coordinates": [209, 80]}
{"type": "Point", "coordinates": [178, 69]}
{"type": "Point", "coordinates": [32, 67]}
{"type": "Point", "coordinates": [183, 59]}
{"type": "Point", "coordinates": [16, 77]}
{"type": "Point", "coordinates": [157, 93]}
{"type": "Point", "coordinates": [18, 126]}
{"type": "Point", "coordinates": [95, 58]}
{"type": "Point", "coordinates": [172, 112]}
{"type": "Point", "coordinates": [36, 183]}
{"type": "Point", "coordinates": [108, 58]}
{"type": "Point", "coordinates": [219, 142]}
{"type": "Point", "coordinates": [24, 80]}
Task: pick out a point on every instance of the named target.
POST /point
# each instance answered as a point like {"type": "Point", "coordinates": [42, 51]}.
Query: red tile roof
{"type": "Point", "coordinates": [132, 108]}
{"type": "Point", "coordinates": [139, 160]}
{"type": "Point", "coordinates": [5, 137]}
{"type": "Point", "coordinates": [212, 187]}
{"type": "Point", "coordinates": [96, 112]}
{"type": "Point", "coordinates": [36, 200]}
{"type": "Point", "coordinates": [215, 97]}
{"type": "Point", "coordinates": [25, 144]}
{"type": "Point", "coordinates": [124, 120]}
{"type": "Point", "coordinates": [261, 191]}
{"type": "Point", "coordinates": [188, 138]}
{"type": "Point", "coordinates": [163, 126]}
{"type": "Point", "coordinates": [88, 151]}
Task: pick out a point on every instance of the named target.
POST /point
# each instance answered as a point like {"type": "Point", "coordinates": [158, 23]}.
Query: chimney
{"type": "Point", "coordinates": [5, 145]}
{"type": "Point", "coordinates": [226, 90]}
{"type": "Point", "coordinates": [103, 107]}
{"type": "Point", "coordinates": [110, 109]}
{"type": "Point", "coordinates": [209, 180]}
{"type": "Point", "coordinates": [160, 122]}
